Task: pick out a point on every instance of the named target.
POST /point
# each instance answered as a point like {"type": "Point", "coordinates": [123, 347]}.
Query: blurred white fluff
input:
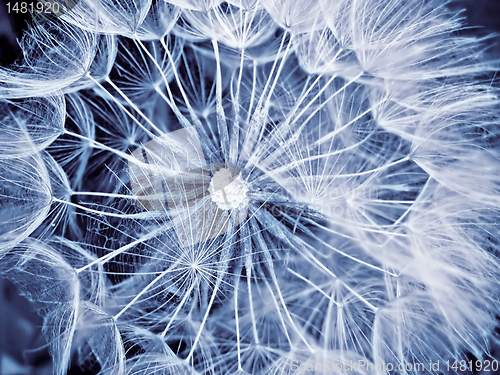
{"type": "Point", "coordinates": [364, 224]}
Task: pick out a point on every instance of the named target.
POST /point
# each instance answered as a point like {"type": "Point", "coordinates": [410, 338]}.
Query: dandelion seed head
{"type": "Point", "coordinates": [233, 185]}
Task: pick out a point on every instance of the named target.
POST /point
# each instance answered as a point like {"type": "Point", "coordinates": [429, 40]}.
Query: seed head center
{"type": "Point", "coordinates": [227, 190]}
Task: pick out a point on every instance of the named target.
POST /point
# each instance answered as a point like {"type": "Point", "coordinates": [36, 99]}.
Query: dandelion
{"type": "Point", "coordinates": [249, 187]}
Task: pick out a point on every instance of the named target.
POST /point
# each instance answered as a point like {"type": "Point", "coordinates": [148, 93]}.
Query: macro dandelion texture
{"type": "Point", "coordinates": [249, 187]}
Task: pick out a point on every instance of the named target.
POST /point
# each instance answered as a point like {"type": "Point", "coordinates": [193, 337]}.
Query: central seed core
{"type": "Point", "coordinates": [228, 189]}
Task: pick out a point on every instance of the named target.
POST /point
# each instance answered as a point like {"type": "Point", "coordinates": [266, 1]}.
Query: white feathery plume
{"type": "Point", "coordinates": [26, 197]}
{"type": "Point", "coordinates": [54, 56]}
{"type": "Point", "coordinates": [109, 17]}
{"type": "Point", "coordinates": [30, 125]}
